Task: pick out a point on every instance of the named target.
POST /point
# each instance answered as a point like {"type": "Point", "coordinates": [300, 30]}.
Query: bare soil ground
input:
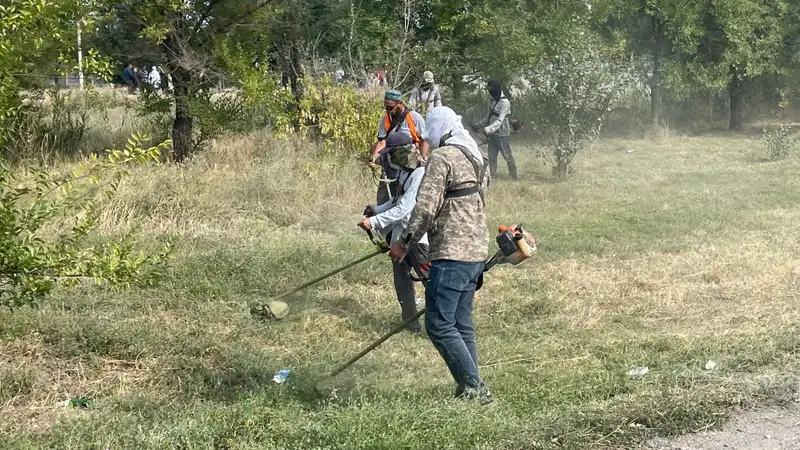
{"type": "Point", "coordinates": [764, 429]}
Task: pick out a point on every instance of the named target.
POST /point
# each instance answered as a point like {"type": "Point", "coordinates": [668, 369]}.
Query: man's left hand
{"type": "Point", "coordinates": [365, 224]}
{"type": "Point", "coordinates": [398, 251]}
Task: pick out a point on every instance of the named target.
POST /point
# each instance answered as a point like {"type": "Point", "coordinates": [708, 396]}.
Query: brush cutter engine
{"type": "Point", "coordinates": [515, 245]}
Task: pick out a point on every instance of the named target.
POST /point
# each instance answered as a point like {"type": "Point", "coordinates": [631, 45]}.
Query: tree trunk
{"type": "Point", "coordinates": [457, 86]}
{"type": "Point", "coordinates": [183, 124]}
{"type": "Point", "coordinates": [298, 72]}
{"type": "Point", "coordinates": [736, 93]}
{"type": "Point", "coordinates": [656, 80]}
{"type": "Point", "coordinates": [293, 63]}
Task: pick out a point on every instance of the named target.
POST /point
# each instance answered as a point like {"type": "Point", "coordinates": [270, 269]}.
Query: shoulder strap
{"type": "Point", "coordinates": [391, 127]}
{"type": "Point", "coordinates": [480, 173]}
{"type": "Point", "coordinates": [412, 127]}
{"type": "Point", "coordinates": [394, 126]}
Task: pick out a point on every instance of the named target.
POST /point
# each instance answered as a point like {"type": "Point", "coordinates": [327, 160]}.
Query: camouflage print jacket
{"type": "Point", "coordinates": [456, 227]}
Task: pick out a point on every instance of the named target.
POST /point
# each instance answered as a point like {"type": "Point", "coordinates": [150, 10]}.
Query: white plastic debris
{"type": "Point", "coordinates": [711, 365]}
{"type": "Point", "coordinates": [281, 376]}
{"type": "Point", "coordinates": [638, 371]}
{"type": "Point", "coordinates": [420, 302]}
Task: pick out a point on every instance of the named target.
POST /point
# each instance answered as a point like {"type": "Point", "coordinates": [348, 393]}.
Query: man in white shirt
{"type": "Point", "coordinates": [427, 96]}
{"type": "Point", "coordinates": [155, 78]}
{"type": "Point", "coordinates": [391, 220]}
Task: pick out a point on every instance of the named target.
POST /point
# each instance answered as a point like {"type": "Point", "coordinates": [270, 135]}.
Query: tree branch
{"type": "Point", "coordinates": [211, 5]}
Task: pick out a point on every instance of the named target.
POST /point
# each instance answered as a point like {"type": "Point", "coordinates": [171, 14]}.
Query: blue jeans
{"type": "Point", "coordinates": [448, 297]}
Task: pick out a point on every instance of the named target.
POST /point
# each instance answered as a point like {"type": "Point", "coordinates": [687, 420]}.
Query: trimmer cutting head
{"type": "Point", "coordinates": [273, 310]}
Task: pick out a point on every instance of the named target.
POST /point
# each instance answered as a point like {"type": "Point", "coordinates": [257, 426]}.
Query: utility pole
{"type": "Point", "coordinates": [80, 57]}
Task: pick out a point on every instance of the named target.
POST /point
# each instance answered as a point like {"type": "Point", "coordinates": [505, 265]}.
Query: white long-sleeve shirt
{"type": "Point", "coordinates": [393, 215]}
{"type": "Point", "coordinates": [497, 123]}
{"type": "Point", "coordinates": [155, 79]}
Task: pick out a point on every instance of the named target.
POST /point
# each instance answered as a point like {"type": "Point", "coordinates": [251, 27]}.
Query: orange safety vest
{"type": "Point", "coordinates": [387, 123]}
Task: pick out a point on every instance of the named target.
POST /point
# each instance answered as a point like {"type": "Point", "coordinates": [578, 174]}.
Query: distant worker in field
{"type": "Point", "coordinates": [155, 78]}
{"type": "Point", "coordinates": [391, 219]}
{"type": "Point", "coordinates": [127, 77]}
{"type": "Point", "coordinates": [450, 209]}
{"type": "Point", "coordinates": [426, 96]}
{"type": "Point", "coordinates": [497, 126]}
{"type": "Point", "coordinates": [398, 119]}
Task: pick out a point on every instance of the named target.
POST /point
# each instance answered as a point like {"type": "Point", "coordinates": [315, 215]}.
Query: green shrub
{"type": "Point", "coordinates": [779, 144]}
{"type": "Point", "coordinates": [47, 222]}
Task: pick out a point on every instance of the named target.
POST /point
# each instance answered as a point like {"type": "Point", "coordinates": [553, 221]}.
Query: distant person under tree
{"type": "Point", "coordinates": [426, 96]}
{"type": "Point", "coordinates": [127, 77]}
{"type": "Point", "coordinates": [155, 79]}
{"type": "Point", "coordinates": [497, 126]}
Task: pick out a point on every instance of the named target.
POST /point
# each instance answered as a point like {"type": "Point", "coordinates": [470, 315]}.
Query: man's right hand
{"type": "Point", "coordinates": [398, 251]}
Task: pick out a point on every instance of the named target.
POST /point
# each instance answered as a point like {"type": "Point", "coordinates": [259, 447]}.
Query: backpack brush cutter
{"type": "Point", "coordinates": [516, 245]}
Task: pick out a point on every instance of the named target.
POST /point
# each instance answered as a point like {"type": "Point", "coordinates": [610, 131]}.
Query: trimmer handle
{"type": "Point", "coordinates": [375, 241]}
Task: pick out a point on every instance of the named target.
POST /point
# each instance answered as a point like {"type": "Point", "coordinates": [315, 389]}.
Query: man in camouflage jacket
{"type": "Point", "coordinates": [450, 208]}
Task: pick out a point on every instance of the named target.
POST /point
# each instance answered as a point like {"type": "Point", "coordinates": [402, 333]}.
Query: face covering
{"type": "Point", "coordinates": [495, 92]}
{"type": "Point", "coordinates": [443, 127]}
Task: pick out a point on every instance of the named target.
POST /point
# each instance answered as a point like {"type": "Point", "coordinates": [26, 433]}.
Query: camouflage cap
{"type": "Point", "coordinates": [405, 157]}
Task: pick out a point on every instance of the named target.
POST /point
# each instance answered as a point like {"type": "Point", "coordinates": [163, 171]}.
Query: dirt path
{"type": "Point", "coordinates": [765, 429]}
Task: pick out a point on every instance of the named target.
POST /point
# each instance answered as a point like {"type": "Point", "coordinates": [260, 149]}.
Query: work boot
{"type": "Point", "coordinates": [512, 170]}
{"type": "Point", "coordinates": [414, 328]}
{"type": "Point", "coordinates": [481, 393]}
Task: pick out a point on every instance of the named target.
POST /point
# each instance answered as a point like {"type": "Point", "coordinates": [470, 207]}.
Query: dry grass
{"type": "Point", "coordinates": [680, 252]}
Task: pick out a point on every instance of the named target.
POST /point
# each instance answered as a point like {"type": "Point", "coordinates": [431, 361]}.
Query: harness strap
{"type": "Point", "coordinates": [480, 173]}
{"type": "Point", "coordinates": [464, 192]}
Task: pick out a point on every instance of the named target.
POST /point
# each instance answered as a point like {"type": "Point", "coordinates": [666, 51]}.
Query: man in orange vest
{"type": "Point", "coordinates": [398, 119]}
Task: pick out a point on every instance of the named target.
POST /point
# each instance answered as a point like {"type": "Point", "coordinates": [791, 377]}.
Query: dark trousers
{"type": "Point", "coordinates": [448, 320]}
{"type": "Point", "coordinates": [502, 145]}
{"type": "Point", "coordinates": [406, 295]}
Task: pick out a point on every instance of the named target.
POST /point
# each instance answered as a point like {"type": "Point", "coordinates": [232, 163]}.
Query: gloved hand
{"type": "Point", "coordinates": [369, 211]}
{"type": "Point", "coordinates": [365, 224]}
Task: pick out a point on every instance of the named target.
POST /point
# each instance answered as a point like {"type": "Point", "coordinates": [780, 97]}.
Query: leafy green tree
{"type": "Point", "coordinates": [572, 92]}
{"type": "Point", "coordinates": [187, 34]}
{"type": "Point", "coordinates": [37, 37]}
{"type": "Point", "coordinates": [655, 31]}
{"type": "Point", "coordinates": [742, 39]}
